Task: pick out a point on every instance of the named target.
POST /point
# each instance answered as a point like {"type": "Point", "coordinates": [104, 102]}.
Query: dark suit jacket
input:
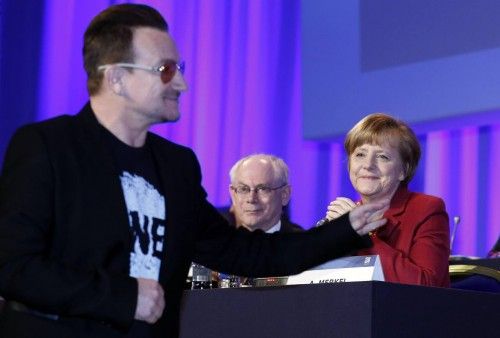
{"type": "Point", "coordinates": [414, 245]}
{"type": "Point", "coordinates": [65, 238]}
{"type": "Point", "coordinates": [286, 224]}
{"type": "Point", "coordinates": [289, 226]}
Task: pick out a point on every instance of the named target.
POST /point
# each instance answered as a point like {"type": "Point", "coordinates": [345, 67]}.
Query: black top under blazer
{"type": "Point", "coordinates": [65, 238]}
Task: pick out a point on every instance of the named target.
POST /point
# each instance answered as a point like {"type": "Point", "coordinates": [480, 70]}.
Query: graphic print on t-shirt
{"type": "Point", "coordinates": [146, 211]}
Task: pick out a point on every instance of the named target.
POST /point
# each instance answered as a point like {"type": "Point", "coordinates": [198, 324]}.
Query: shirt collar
{"type": "Point", "coordinates": [274, 228]}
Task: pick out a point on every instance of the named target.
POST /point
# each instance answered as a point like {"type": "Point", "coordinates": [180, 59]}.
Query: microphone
{"type": "Point", "coordinates": [325, 219]}
{"type": "Point", "coordinates": [321, 222]}
{"type": "Point", "coordinates": [456, 221]}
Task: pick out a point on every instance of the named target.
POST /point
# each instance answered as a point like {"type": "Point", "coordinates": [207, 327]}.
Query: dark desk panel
{"type": "Point", "coordinates": [347, 310]}
{"type": "Point", "coordinates": [492, 263]}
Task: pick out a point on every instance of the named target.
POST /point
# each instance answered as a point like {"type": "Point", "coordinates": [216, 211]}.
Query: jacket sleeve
{"type": "Point", "coordinates": [29, 272]}
{"type": "Point", "coordinates": [255, 254]}
{"type": "Point", "coordinates": [426, 262]}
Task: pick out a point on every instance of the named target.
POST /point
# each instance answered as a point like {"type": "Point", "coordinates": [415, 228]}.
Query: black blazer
{"type": "Point", "coordinates": [286, 224]}
{"type": "Point", "coordinates": [289, 226]}
{"type": "Point", "coordinates": [65, 238]}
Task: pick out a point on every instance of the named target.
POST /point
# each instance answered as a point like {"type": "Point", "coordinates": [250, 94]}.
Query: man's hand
{"type": "Point", "coordinates": [368, 217]}
{"type": "Point", "coordinates": [150, 300]}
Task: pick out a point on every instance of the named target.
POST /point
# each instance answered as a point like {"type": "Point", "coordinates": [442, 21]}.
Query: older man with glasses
{"type": "Point", "coordinates": [259, 192]}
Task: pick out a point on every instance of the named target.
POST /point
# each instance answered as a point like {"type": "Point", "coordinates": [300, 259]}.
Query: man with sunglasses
{"type": "Point", "coordinates": [100, 219]}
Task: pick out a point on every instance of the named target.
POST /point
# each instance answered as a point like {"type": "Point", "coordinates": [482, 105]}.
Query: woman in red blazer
{"type": "Point", "coordinates": [414, 244]}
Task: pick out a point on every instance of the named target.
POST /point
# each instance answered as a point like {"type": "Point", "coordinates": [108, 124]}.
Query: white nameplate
{"type": "Point", "coordinates": [345, 269]}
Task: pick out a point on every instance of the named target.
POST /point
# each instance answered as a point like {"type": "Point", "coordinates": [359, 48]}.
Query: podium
{"type": "Point", "coordinates": [344, 310]}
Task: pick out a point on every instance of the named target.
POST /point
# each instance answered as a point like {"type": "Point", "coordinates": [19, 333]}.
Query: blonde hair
{"type": "Point", "coordinates": [379, 128]}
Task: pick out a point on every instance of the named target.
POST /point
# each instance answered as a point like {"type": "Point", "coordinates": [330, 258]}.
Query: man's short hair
{"type": "Point", "coordinates": [280, 168]}
{"type": "Point", "coordinates": [108, 38]}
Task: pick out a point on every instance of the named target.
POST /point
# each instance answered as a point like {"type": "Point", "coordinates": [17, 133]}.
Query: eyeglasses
{"type": "Point", "coordinates": [260, 190]}
{"type": "Point", "coordinates": [167, 70]}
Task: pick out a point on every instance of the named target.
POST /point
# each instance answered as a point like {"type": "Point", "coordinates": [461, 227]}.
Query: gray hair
{"type": "Point", "coordinates": [280, 168]}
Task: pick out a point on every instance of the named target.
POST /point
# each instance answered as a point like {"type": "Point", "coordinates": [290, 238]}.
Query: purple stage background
{"type": "Point", "coordinates": [244, 72]}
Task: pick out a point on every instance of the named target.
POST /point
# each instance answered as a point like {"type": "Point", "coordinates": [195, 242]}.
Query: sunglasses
{"type": "Point", "coordinates": [167, 70]}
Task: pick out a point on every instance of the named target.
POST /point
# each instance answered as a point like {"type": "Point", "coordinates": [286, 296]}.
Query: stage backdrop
{"type": "Point", "coordinates": [244, 70]}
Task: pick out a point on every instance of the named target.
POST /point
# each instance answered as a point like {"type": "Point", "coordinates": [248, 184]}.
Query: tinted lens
{"type": "Point", "coordinates": [168, 71]}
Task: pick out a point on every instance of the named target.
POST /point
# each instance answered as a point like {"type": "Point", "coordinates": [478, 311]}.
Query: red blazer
{"type": "Point", "coordinates": [414, 245]}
